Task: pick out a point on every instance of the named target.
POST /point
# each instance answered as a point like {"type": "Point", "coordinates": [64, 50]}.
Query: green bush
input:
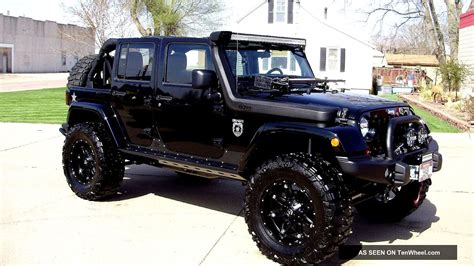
{"type": "Point", "coordinates": [453, 74]}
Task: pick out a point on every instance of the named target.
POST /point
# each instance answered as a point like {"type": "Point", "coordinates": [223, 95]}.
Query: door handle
{"type": "Point", "coordinates": [118, 93]}
{"type": "Point", "coordinates": [162, 98]}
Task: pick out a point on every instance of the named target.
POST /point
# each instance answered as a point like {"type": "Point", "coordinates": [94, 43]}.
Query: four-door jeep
{"type": "Point", "coordinates": [247, 107]}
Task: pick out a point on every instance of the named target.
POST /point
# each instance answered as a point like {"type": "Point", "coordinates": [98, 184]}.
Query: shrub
{"type": "Point", "coordinates": [453, 75]}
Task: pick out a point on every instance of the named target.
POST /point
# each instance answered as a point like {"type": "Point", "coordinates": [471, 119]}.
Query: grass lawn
{"type": "Point", "coordinates": [435, 123]}
{"type": "Point", "coordinates": [48, 106]}
{"type": "Point", "coordinates": [35, 106]}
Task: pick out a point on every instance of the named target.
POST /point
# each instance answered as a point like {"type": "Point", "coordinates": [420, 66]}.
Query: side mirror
{"type": "Point", "coordinates": [204, 79]}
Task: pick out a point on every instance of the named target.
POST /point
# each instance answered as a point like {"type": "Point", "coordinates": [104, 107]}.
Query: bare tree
{"type": "Point", "coordinates": [423, 12]}
{"type": "Point", "coordinates": [106, 17]}
{"type": "Point", "coordinates": [403, 41]}
{"type": "Point", "coordinates": [175, 17]}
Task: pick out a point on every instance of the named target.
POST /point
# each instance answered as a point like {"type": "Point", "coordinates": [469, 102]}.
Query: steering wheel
{"type": "Point", "coordinates": [275, 69]}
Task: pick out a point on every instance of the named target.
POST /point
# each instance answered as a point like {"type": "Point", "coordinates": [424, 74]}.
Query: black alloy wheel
{"type": "Point", "coordinates": [297, 209]}
{"type": "Point", "coordinates": [287, 212]}
{"type": "Point", "coordinates": [82, 166]}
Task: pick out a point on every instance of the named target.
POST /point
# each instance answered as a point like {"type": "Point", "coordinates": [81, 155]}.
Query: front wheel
{"type": "Point", "coordinates": [297, 209]}
{"type": "Point", "coordinates": [405, 201]}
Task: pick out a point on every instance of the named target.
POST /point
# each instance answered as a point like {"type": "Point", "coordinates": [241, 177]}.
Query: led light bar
{"type": "Point", "coordinates": [267, 39]}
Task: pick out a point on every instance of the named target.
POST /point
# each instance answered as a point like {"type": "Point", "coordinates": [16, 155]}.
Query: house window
{"type": "Point", "coordinates": [280, 11]}
{"type": "Point", "coordinates": [332, 59]}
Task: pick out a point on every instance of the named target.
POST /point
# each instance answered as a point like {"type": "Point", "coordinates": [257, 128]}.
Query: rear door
{"type": "Point", "coordinates": [132, 90]}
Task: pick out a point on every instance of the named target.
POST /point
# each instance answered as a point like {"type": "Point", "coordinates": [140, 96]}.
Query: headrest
{"type": "Point", "coordinates": [134, 64]}
{"type": "Point", "coordinates": [178, 61]}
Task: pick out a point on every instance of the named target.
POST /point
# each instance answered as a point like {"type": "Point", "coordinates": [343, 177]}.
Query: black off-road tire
{"type": "Point", "coordinates": [105, 161]}
{"type": "Point", "coordinates": [323, 184]}
{"type": "Point", "coordinates": [80, 71]}
{"type": "Point", "coordinates": [407, 200]}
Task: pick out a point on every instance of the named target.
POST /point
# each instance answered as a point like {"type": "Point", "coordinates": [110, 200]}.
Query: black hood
{"type": "Point", "coordinates": [356, 103]}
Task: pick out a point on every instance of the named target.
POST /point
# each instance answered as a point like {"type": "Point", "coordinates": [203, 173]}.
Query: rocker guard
{"type": "Point", "coordinates": [385, 171]}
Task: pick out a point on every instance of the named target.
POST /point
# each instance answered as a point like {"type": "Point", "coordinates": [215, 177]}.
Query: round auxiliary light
{"type": "Point", "coordinates": [422, 135]}
{"type": "Point", "coordinates": [364, 126]}
{"type": "Point", "coordinates": [411, 137]}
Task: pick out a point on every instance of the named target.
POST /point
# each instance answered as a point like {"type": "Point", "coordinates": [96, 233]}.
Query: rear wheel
{"type": "Point", "coordinates": [297, 209]}
{"type": "Point", "coordinates": [92, 164]}
{"type": "Point", "coordinates": [405, 201]}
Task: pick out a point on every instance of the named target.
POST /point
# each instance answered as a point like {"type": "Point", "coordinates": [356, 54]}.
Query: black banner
{"type": "Point", "coordinates": [398, 252]}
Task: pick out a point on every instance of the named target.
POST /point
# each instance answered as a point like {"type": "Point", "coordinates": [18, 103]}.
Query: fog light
{"type": "Point", "coordinates": [411, 137]}
{"type": "Point", "coordinates": [422, 135]}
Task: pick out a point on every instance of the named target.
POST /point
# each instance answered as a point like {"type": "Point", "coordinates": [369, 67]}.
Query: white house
{"type": "Point", "coordinates": [466, 44]}
{"type": "Point", "coordinates": [333, 53]}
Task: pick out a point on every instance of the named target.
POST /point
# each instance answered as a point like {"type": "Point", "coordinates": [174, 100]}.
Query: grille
{"type": "Point", "coordinates": [408, 137]}
{"type": "Point", "coordinates": [407, 133]}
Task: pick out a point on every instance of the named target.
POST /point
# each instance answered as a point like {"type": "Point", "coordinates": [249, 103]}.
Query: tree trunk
{"type": "Point", "coordinates": [134, 14]}
{"type": "Point", "coordinates": [454, 11]}
{"type": "Point", "coordinates": [431, 22]}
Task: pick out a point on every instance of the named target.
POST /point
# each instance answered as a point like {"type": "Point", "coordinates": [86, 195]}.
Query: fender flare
{"type": "Point", "coordinates": [317, 138]}
{"type": "Point", "coordinates": [78, 112]}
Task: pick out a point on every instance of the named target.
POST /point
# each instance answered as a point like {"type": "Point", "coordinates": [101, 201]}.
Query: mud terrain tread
{"type": "Point", "coordinates": [110, 167]}
{"type": "Point", "coordinates": [339, 213]}
{"type": "Point", "coordinates": [79, 72]}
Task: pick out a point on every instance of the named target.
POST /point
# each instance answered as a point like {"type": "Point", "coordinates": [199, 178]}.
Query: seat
{"type": "Point", "coordinates": [176, 69]}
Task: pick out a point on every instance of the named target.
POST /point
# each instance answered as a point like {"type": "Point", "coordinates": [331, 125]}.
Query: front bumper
{"type": "Point", "coordinates": [388, 171]}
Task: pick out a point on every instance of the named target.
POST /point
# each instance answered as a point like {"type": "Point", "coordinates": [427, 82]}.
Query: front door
{"type": "Point", "coordinates": [132, 90]}
{"type": "Point", "coordinates": [187, 121]}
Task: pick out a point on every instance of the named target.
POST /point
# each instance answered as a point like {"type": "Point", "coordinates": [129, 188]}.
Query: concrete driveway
{"type": "Point", "coordinates": [162, 219]}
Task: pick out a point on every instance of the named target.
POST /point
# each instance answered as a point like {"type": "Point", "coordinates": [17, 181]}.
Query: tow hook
{"type": "Point", "coordinates": [422, 192]}
{"type": "Point", "coordinates": [388, 194]}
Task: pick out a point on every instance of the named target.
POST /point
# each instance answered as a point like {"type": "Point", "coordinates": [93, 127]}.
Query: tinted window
{"type": "Point", "coordinates": [136, 61]}
{"type": "Point", "coordinates": [182, 59]}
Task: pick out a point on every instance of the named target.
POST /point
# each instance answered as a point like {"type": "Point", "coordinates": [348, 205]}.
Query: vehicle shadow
{"type": "Point", "coordinates": [227, 196]}
{"type": "Point", "coordinates": [369, 232]}
{"type": "Point", "coordinates": [222, 195]}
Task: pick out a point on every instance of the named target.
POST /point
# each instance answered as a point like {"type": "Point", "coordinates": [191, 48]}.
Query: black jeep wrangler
{"type": "Point", "coordinates": [247, 107]}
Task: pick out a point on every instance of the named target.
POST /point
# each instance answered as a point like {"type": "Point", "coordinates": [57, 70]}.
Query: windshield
{"type": "Point", "coordinates": [268, 67]}
{"type": "Point", "coordinates": [273, 61]}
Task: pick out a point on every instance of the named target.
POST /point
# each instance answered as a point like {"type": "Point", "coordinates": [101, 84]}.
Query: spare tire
{"type": "Point", "coordinates": [80, 71]}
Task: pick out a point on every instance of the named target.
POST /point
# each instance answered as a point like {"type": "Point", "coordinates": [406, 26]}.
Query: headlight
{"type": "Point", "coordinates": [364, 126]}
